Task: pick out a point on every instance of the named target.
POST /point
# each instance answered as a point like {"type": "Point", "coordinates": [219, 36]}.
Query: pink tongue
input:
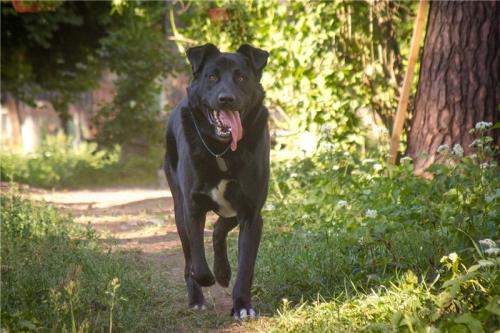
{"type": "Point", "coordinates": [233, 120]}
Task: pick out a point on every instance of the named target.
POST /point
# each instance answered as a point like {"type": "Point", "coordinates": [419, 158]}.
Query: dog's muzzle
{"type": "Point", "coordinates": [227, 123]}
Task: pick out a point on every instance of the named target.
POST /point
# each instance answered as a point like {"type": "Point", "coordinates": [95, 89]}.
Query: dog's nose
{"type": "Point", "coordinates": [226, 98]}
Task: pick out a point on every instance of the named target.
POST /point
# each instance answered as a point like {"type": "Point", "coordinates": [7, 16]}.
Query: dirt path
{"type": "Point", "coordinates": [142, 220]}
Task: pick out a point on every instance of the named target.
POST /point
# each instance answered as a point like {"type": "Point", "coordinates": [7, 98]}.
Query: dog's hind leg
{"type": "Point", "coordinates": [222, 269]}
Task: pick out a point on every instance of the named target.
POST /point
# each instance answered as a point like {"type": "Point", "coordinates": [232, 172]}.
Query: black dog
{"type": "Point", "coordinates": [218, 159]}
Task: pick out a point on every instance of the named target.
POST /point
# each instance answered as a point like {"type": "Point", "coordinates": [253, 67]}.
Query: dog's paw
{"type": "Point", "coordinates": [205, 279]}
{"type": "Point", "coordinates": [222, 272]}
{"type": "Point", "coordinates": [243, 314]}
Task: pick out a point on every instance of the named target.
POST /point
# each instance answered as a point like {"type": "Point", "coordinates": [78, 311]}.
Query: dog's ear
{"type": "Point", "coordinates": [199, 54]}
{"type": "Point", "coordinates": [258, 57]}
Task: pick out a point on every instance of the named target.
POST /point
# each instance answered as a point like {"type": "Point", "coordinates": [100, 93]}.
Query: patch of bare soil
{"type": "Point", "coordinates": [143, 220]}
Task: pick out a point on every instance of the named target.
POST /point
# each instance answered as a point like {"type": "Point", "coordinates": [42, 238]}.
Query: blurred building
{"type": "Point", "coordinates": [23, 126]}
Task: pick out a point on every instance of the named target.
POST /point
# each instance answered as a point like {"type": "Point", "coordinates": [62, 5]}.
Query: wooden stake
{"type": "Point", "coordinates": [406, 87]}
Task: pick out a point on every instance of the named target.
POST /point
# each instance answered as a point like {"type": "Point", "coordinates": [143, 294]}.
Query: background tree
{"type": "Point", "coordinates": [57, 55]}
{"type": "Point", "coordinates": [53, 53]}
{"type": "Point", "coordinates": [135, 49]}
{"type": "Point", "coordinates": [459, 79]}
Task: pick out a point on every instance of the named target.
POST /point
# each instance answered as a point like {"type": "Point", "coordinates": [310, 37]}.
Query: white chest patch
{"type": "Point", "coordinates": [217, 195]}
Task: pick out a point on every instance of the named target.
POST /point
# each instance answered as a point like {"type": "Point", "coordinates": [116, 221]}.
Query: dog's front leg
{"type": "Point", "coordinates": [201, 272]}
{"type": "Point", "coordinates": [248, 244]}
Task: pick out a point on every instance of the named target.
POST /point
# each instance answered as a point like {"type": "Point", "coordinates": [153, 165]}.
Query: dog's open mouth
{"type": "Point", "coordinates": [227, 124]}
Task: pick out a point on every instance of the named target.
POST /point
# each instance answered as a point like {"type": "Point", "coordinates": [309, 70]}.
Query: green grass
{"type": "Point", "coordinates": [406, 306]}
{"type": "Point", "coordinates": [57, 164]}
{"type": "Point", "coordinates": [339, 229]}
{"type": "Point", "coordinates": [57, 276]}
{"type": "Point", "coordinates": [346, 248]}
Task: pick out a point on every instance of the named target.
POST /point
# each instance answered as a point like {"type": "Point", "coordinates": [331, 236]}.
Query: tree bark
{"type": "Point", "coordinates": [459, 78]}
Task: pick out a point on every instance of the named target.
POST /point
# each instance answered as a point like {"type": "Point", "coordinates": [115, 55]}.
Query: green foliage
{"type": "Point", "coordinates": [59, 54]}
{"type": "Point", "coordinates": [328, 59]}
{"type": "Point", "coordinates": [338, 226]}
{"type": "Point", "coordinates": [57, 163]}
{"type": "Point", "coordinates": [136, 51]}
{"type": "Point", "coordinates": [55, 277]}
{"type": "Point", "coordinates": [405, 306]}
{"type": "Point", "coordinates": [46, 53]}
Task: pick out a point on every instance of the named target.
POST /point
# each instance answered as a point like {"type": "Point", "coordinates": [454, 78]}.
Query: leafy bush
{"type": "Point", "coordinates": [340, 226]}
{"type": "Point", "coordinates": [57, 163]}
{"type": "Point", "coordinates": [55, 277]}
{"type": "Point", "coordinates": [137, 52]}
{"type": "Point", "coordinates": [323, 65]}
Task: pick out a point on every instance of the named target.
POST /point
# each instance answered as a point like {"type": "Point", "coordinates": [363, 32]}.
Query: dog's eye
{"type": "Point", "coordinates": [212, 77]}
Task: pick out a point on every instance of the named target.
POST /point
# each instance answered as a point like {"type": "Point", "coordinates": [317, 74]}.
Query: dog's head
{"type": "Point", "coordinates": [226, 87]}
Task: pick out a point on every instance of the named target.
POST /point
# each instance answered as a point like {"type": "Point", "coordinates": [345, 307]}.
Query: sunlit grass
{"type": "Point", "coordinates": [57, 163]}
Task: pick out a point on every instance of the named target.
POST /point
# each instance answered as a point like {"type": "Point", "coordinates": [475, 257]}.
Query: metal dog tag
{"type": "Point", "coordinates": [221, 164]}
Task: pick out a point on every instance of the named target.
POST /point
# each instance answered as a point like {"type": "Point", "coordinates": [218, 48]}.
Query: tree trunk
{"type": "Point", "coordinates": [459, 78]}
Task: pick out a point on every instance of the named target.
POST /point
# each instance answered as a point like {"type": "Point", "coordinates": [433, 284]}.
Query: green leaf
{"type": "Point", "coordinates": [472, 323]}
{"type": "Point", "coordinates": [493, 306]}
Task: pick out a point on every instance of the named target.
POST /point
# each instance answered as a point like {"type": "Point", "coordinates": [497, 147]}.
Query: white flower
{"type": "Point", "coordinates": [483, 124]}
{"type": "Point", "coordinates": [485, 263]}
{"type": "Point", "coordinates": [453, 256]}
{"type": "Point", "coordinates": [476, 143]}
{"type": "Point", "coordinates": [132, 103]}
{"type": "Point", "coordinates": [442, 148]}
{"type": "Point", "coordinates": [341, 204]}
{"type": "Point", "coordinates": [377, 167]}
{"type": "Point", "coordinates": [488, 242]}
{"type": "Point", "coordinates": [406, 159]}
{"type": "Point", "coordinates": [458, 150]}
{"type": "Point", "coordinates": [293, 175]}
{"type": "Point", "coordinates": [329, 146]}
{"type": "Point", "coordinates": [326, 128]}
{"type": "Point", "coordinates": [371, 213]}
{"type": "Point", "coordinates": [492, 250]}
{"type": "Point", "coordinates": [305, 216]}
